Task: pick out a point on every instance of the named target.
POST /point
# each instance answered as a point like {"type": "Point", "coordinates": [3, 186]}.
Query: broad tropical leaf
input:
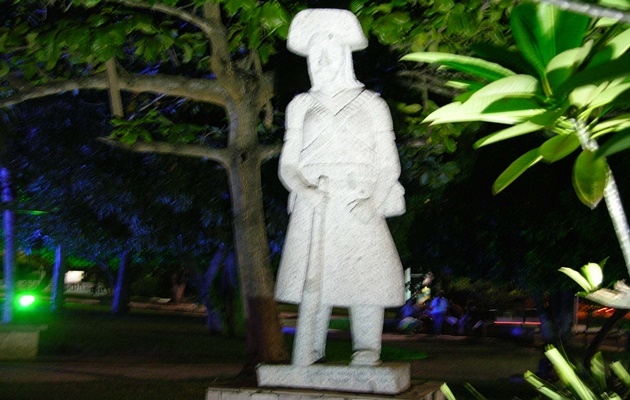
{"type": "Point", "coordinates": [567, 375]}
{"type": "Point", "coordinates": [606, 71]}
{"type": "Point", "coordinates": [598, 370]}
{"type": "Point", "coordinates": [508, 133]}
{"type": "Point", "coordinates": [621, 373]}
{"type": "Point", "coordinates": [560, 68]}
{"type": "Point", "coordinates": [619, 142]}
{"type": "Point", "coordinates": [516, 169]}
{"type": "Point", "coordinates": [613, 49]}
{"type": "Point", "coordinates": [513, 60]}
{"type": "Point", "coordinates": [558, 147]}
{"type": "Point", "coordinates": [608, 95]}
{"type": "Point", "coordinates": [523, 24]}
{"type": "Point", "coordinates": [578, 278]}
{"type": "Point", "coordinates": [509, 100]}
{"type": "Point", "coordinates": [616, 124]}
{"type": "Point", "coordinates": [569, 30]}
{"type": "Point", "coordinates": [580, 97]}
{"type": "Point", "coordinates": [475, 66]}
{"type": "Point", "coordinates": [496, 109]}
{"type": "Point", "coordinates": [590, 174]}
{"type": "Point", "coordinates": [593, 273]}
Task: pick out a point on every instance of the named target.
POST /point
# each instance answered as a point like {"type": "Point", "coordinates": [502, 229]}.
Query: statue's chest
{"type": "Point", "coordinates": [323, 128]}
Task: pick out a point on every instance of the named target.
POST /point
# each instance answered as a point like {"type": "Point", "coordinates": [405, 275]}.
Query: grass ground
{"type": "Point", "coordinates": [90, 335]}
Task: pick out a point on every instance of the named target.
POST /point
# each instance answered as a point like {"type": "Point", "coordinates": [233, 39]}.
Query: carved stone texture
{"type": "Point", "coordinates": [340, 163]}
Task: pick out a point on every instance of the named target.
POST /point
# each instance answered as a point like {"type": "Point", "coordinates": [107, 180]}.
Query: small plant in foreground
{"type": "Point", "coordinates": [574, 383]}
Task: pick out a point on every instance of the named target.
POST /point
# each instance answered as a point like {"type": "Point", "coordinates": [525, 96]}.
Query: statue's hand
{"type": "Point", "coordinates": [363, 209]}
{"type": "Point", "coordinates": [313, 195]}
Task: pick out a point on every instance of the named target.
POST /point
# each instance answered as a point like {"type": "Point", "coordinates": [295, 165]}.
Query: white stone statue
{"type": "Point", "coordinates": [341, 166]}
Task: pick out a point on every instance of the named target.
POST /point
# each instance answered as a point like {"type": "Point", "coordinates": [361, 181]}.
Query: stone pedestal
{"type": "Point", "coordinates": [419, 390]}
{"type": "Point", "coordinates": [19, 342]}
{"type": "Point", "coordinates": [383, 379]}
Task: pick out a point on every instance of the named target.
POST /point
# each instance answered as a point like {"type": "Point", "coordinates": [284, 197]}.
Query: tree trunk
{"type": "Point", "coordinates": [213, 315]}
{"type": "Point", "coordinates": [179, 279]}
{"type": "Point", "coordinates": [120, 305]}
{"type": "Point", "coordinates": [556, 317]}
{"type": "Point", "coordinates": [59, 270]}
{"type": "Point", "coordinates": [9, 246]}
{"type": "Point", "coordinates": [265, 342]}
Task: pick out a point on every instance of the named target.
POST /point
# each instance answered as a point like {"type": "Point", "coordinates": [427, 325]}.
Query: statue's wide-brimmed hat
{"type": "Point", "coordinates": [342, 23]}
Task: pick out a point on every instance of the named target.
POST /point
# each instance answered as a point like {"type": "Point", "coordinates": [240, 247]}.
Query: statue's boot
{"type": "Point", "coordinates": [367, 331]}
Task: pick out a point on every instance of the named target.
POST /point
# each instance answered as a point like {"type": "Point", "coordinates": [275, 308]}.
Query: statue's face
{"type": "Point", "coordinates": [325, 58]}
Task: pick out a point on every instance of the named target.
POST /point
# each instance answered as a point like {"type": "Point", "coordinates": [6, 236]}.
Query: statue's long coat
{"type": "Point", "coordinates": [352, 150]}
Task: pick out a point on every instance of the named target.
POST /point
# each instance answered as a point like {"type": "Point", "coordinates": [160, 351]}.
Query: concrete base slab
{"type": "Point", "coordinates": [19, 342]}
{"type": "Point", "coordinates": [384, 379]}
{"type": "Point", "coordinates": [419, 390]}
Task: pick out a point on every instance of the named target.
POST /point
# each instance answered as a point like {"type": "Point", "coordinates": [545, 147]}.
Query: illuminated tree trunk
{"type": "Point", "coordinates": [59, 271]}
{"type": "Point", "coordinates": [9, 246]}
{"type": "Point", "coordinates": [120, 305]}
{"type": "Point", "coordinates": [264, 334]}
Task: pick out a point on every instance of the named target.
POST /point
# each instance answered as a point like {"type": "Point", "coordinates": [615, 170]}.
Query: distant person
{"type": "Point", "coordinates": [439, 308]}
{"type": "Point", "coordinates": [410, 317]}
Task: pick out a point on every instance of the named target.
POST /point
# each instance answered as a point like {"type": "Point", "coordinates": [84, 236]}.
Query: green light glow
{"type": "Point", "coordinates": [26, 300]}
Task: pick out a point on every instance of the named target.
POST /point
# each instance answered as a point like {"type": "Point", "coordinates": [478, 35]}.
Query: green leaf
{"type": "Point", "coordinates": [562, 66]}
{"type": "Point", "coordinates": [609, 94]}
{"type": "Point", "coordinates": [508, 133]}
{"type": "Point", "coordinates": [409, 108]}
{"type": "Point", "coordinates": [578, 278]}
{"type": "Point", "coordinates": [590, 174]}
{"type": "Point", "coordinates": [273, 16]}
{"type": "Point", "coordinates": [569, 29]}
{"type": "Point", "coordinates": [4, 68]}
{"type": "Point", "coordinates": [447, 392]}
{"type": "Point", "coordinates": [474, 392]}
{"type": "Point", "coordinates": [558, 147]}
{"type": "Point", "coordinates": [545, 388]}
{"type": "Point", "coordinates": [621, 373]}
{"type": "Point", "coordinates": [496, 109]}
{"type": "Point", "coordinates": [471, 65]}
{"type": "Point", "coordinates": [567, 375]}
{"type": "Point", "coordinates": [512, 60]}
{"type": "Point", "coordinates": [616, 124]}
{"type": "Point", "coordinates": [188, 53]}
{"type": "Point", "coordinates": [516, 169]}
{"type": "Point", "coordinates": [613, 49]}
{"type": "Point", "coordinates": [522, 22]}
{"type": "Point", "coordinates": [583, 95]}
{"type": "Point", "coordinates": [593, 273]}
{"type": "Point", "coordinates": [619, 142]}
{"type": "Point", "coordinates": [510, 100]}
{"type": "Point", "coordinates": [598, 370]}
{"type": "Point", "coordinates": [606, 71]}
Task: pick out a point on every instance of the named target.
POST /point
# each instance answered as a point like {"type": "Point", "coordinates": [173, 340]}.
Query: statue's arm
{"type": "Point", "coordinates": [289, 169]}
{"type": "Point", "coordinates": [388, 194]}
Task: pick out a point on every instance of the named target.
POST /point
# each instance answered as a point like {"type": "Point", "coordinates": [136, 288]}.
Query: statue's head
{"type": "Point", "coordinates": [327, 38]}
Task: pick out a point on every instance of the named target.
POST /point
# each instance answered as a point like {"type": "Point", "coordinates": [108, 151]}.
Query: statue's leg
{"type": "Point", "coordinates": [367, 331]}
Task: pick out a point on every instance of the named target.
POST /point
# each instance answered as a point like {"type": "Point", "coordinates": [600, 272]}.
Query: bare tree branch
{"type": "Point", "coordinates": [203, 24]}
{"type": "Point", "coordinates": [115, 99]}
{"type": "Point", "coordinates": [203, 90]}
{"type": "Point", "coordinates": [180, 149]}
{"type": "Point", "coordinates": [269, 151]}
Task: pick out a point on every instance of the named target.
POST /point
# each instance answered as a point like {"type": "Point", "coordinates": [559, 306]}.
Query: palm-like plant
{"type": "Point", "coordinates": [569, 77]}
